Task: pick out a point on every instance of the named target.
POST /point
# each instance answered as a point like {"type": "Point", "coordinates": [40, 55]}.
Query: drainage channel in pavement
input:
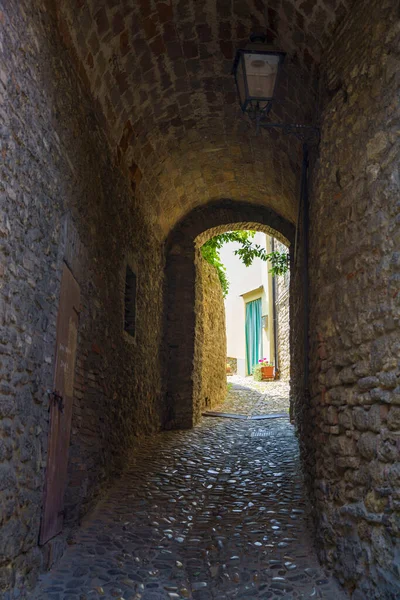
{"type": "Point", "coordinates": [223, 415]}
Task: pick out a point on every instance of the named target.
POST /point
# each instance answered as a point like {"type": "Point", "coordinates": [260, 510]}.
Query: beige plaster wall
{"type": "Point", "coordinates": [247, 284]}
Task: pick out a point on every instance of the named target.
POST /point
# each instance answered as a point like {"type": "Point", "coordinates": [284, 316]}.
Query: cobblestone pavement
{"type": "Point", "coordinates": [213, 513]}
{"type": "Point", "coordinates": [249, 397]}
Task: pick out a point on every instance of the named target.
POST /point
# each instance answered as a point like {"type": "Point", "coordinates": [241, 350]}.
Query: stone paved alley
{"type": "Point", "coordinates": [252, 398]}
{"type": "Point", "coordinates": [212, 513]}
{"type": "Point", "coordinates": [128, 141]}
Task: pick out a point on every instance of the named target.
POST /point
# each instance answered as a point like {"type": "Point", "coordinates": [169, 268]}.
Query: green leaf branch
{"type": "Point", "coordinates": [247, 253]}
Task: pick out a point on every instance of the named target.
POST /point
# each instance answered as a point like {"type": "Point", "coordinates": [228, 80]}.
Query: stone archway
{"type": "Point", "coordinates": [182, 405]}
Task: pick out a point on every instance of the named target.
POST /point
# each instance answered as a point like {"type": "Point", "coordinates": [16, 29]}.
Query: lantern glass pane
{"type": "Point", "coordinates": [261, 72]}
{"type": "Point", "coordinates": [241, 82]}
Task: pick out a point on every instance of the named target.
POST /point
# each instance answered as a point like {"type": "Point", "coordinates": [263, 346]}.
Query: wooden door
{"type": "Point", "coordinates": [61, 408]}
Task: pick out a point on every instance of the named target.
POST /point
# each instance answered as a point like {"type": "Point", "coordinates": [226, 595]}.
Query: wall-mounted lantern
{"type": "Point", "coordinates": [256, 69]}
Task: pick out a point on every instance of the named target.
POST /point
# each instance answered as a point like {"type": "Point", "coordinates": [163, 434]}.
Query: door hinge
{"type": "Point", "coordinates": [57, 399]}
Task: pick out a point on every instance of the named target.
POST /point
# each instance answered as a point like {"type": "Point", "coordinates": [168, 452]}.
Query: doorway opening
{"type": "Point", "coordinates": [247, 300]}
{"type": "Point", "coordinates": [187, 394]}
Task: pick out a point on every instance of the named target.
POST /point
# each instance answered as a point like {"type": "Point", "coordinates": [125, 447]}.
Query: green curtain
{"type": "Point", "coordinates": [253, 334]}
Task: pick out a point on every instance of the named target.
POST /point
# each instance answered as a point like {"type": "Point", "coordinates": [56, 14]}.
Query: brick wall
{"type": "Point", "coordinates": [160, 74]}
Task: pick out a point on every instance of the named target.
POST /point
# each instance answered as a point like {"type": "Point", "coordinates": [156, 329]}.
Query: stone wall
{"type": "Point", "coordinates": [62, 199]}
{"type": "Point", "coordinates": [354, 418]}
{"type": "Point", "coordinates": [282, 283]}
{"type": "Point", "coordinates": [209, 373]}
{"type": "Point", "coordinates": [232, 362]}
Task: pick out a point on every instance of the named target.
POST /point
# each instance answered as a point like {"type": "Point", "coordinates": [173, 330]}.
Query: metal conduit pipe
{"type": "Point", "coordinates": [274, 315]}
{"type": "Point", "coordinates": [304, 200]}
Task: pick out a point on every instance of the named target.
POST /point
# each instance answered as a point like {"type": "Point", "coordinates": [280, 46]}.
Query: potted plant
{"type": "Point", "coordinates": [267, 369]}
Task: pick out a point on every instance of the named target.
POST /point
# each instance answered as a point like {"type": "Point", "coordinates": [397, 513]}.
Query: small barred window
{"type": "Point", "coordinates": [130, 302]}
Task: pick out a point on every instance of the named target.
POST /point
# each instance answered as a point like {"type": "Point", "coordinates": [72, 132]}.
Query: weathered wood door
{"type": "Point", "coordinates": [61, 408]}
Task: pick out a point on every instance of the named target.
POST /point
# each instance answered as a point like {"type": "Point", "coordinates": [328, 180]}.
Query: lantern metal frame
{"type": "Point", "coordinates": [248, 102]}
{"type": "Point", "coordinates": [251, 106]}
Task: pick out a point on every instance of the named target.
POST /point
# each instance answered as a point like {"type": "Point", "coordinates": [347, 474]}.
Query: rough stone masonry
{"type": "Point", "coordinates": [62, 199]}
{"type": "Point", "coordinates": [118, 121]}
{"type": "Point", "coordinates": [282, 316]}
{"type": "Point", "coordinates": [353, 421]}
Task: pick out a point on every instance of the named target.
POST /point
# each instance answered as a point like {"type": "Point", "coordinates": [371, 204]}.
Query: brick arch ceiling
{"type": "Point", "coordinates": [202, 238]}
{"type": "Point", "coordinates": [160, 74]}
{"type": "Point", "coordinates": [202, 222]}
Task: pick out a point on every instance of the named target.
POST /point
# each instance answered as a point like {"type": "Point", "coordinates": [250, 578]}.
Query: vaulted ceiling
{"type": "Point", "coordinates": [160, 74]}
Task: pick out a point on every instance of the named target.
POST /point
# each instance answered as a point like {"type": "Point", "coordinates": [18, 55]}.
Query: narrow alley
{"type": "Point", "coordinates": [140, 140]}
{"type": "Point", "coordinates": [211, 513]}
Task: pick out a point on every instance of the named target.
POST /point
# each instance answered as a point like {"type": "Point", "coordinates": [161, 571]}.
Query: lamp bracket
{"type": "Point", "coordinates": [309, 134]}
{"type": "Point", "coordinates": [258, 37]}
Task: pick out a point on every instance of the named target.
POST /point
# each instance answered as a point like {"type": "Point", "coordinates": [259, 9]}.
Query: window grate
{"type": "Point", "coordinates": [130, 302]}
